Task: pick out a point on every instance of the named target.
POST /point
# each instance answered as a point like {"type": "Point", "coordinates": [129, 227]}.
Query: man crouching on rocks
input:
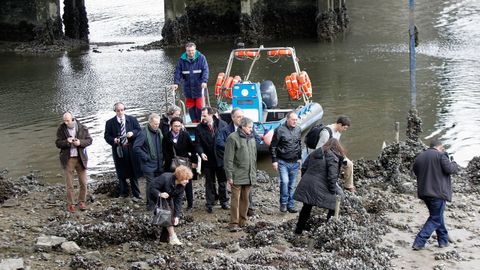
{"type": "Point", "coordinates": [433, 169]}
{"type": "Point", "coordinates": [72, 139]}
{"type": "Point", "coordinates": [240, 161]}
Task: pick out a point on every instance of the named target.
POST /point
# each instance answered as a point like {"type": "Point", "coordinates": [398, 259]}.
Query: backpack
{"type": "Point", "coordinates": [313, 135]}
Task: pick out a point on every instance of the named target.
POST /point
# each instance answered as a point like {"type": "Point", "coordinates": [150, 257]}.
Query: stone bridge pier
{"type": "Point", "coordinates": [39, 20]}
{"type": "Point", "coordinates": [252, 21]}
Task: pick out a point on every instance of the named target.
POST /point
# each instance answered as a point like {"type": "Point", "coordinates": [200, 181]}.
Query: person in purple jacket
{"type": "Point", "coordinates": [192, 71]}
{"type": "Point", "coordinates": [434, 186]}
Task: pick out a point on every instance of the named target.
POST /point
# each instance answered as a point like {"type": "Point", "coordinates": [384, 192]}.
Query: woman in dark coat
{"type": "Point", "coordinates": [179, 139]}
{"type": "Point", "coordinates": [170, 186]}
{"type": "Point", "coordinates": [319, 184]}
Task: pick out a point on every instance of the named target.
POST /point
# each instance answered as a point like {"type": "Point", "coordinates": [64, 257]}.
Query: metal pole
{"type": "Point", "coordinates": [397, 132]}
{"type": "Point", "coordinates": [411, 20]}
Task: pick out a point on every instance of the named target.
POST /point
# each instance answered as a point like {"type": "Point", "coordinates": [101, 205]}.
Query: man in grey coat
{"type": "Point", "coordinates": [433, 169]}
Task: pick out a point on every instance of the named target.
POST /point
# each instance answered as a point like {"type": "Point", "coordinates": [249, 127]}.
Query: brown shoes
{"type": "Point", "coordinates": [82, 206]}
{"type": "Point", "coordinates": [71, 208]}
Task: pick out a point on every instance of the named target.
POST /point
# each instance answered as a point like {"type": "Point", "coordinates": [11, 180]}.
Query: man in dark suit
{"type": "Point", "coordinates": [120, 133]}
{"type": "Point", "coordinates": [205, 135]}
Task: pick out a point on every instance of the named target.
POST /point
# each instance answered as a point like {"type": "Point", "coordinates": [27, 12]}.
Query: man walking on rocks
{"type": "Point", "coordinates": [241, 170]}
{"type": "Point", "coordinates": [335, 130]}
{"type": "Point", "coordinates": [120, 133]}
{"type": "Point", "coordinates": [434, 186]}
{"type": "Point", "coordinates": [148, 148]}
{"type": "Point", "coordinates": [72, 139]}
{"type": "Point", "coordinates": [192, 70]}
{"type": "Point", "coordinates": [286, 150]}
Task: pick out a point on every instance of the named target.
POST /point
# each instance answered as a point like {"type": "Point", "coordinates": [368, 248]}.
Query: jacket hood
{"type": "Point", "coordinates": [185, 57]}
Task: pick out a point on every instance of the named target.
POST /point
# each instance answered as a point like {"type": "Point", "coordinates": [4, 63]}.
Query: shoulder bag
{"type": "Point", "coordinates": [162, 215]}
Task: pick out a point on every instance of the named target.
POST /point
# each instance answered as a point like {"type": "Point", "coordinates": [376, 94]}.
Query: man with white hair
{"type": "Point", "coordinates": [148, 148]}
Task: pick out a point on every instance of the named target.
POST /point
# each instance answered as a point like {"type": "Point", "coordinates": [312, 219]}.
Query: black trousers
{"type": "Point", "coordinates": [212, 176]}
{"type": "Point", "coordinates": [305, 215]}
{"type": "Point", "coordinates": [125, 169]}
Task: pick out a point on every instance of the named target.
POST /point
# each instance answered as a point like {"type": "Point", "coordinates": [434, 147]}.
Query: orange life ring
{"type": "Point", "coordinates": [218, 84]}
{"type": "Point", "coordinates": [246, 53]}
{"type": "Point", "coordinates": [304, 80]}
{"type": "Point", "coordinates": [293, 88]}
{"type": "Point", "coordinates": [279, 52]}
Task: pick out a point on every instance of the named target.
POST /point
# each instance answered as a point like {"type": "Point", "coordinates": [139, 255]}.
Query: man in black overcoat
{"type": "Point", "coordinates": [120, 133]}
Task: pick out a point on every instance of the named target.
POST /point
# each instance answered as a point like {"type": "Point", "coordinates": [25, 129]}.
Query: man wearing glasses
{"type": "Point", "coordinates": [120, 133]}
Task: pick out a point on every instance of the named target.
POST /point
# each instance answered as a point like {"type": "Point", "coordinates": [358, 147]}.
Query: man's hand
{"type": "Point", "coordinates": [174, 87]}
{"type": "Point", "coordinates": [164, 195]}
{"type": "Point", "coordinates": [230, 182]}
{"type": "Point", "coordinates": [275, 166]}
{"type": "Point", "coordinates": [175, 221]}
{"type": "Point", "coordinates": [70, 139]}
{"type": "Point", "coordinates": [204, 157]}
{"type": "Point", "coordinates": [299, 164]}
{"type": "Point", "coordinates": [129, 134]}
{"type": "Point", "coordinates": [76, 142]}
{"type": "Point", "coordinates": [194, 165]}
{"type": "Point", "coordinates": [204, 85]}
{"type": "Point", "coordinates": [116, 141]}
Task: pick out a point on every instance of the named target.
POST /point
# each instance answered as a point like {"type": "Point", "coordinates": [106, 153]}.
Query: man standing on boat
{"type": "Point", "coordinates": [286, 150]}
{"type": "Point", "coordinates": [192, 70]}
{"type": "Point", "coordinates": [120, 132]}
{"type": "Point", "coordinates": [335, 130]}
{"type": "Point", "coordinates": [205, 135]}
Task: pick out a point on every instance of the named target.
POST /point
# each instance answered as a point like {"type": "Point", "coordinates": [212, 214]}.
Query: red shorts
{"type": "Point", "coordinates": [195, 102]}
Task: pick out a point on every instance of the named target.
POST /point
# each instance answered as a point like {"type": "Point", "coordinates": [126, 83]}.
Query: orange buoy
{"type": "Point", "coordinates": [279, 52]}
{"type": "Point", "coordinates": [218, 84]}
{"type": "Point", "coordinates": [228, 82]}
{"type": "Point", "coordinates": [291, 81]}
{"type": "Point", "coordinates": [246, 53]}
{"type": "Point", "coordinates": [304, 80]}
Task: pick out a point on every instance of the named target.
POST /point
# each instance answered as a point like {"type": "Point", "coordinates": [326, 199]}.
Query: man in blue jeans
{"type": "Point", "coordinates": [434, 186]}
{"type": "Point", "coordinates": [286, 150]}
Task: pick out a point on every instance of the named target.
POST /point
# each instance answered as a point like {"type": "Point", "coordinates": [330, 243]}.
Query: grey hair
{"type": "Point", "coordinates": [190, 44]}
{"type": "Point", "coordinates": [172, 109]}
{"type": "Point", "coordinates": [245, 122]}
{"type": "Point", "coordinates": [153, 116]}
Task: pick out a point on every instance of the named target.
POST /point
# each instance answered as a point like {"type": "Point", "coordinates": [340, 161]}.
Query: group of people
{"type": "Point", "coordinates": [229, 156]}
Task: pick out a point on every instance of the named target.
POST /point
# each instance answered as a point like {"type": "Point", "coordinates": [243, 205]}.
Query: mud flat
{"type": "Point", "coordinates": [375, 230]}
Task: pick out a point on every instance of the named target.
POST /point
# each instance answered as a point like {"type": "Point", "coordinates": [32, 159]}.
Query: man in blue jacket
{"type": "Point", "coordinates": [192, 70]}
{"type": "Point", "coordinates": [434, 186]}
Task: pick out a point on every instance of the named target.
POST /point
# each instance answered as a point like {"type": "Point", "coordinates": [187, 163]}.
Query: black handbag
{"type": "Point", "coordinates": [162, 215]}
{"type": "Point", "coordinates": [177, 161]}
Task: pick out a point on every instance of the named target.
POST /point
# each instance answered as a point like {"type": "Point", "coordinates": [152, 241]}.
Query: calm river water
{"type": "Point", "coordinates": [364, 74]}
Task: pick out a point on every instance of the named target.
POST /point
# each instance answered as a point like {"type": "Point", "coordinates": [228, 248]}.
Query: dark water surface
{"type": "Point", "coordinates": [364, 74]}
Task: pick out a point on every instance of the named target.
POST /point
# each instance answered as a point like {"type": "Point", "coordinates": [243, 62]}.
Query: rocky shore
{"type": "Point", "coordinates": [375, 229]}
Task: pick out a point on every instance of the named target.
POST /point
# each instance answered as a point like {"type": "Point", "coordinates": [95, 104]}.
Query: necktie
{"type": "Point", "coordinates": [123, 139]}
{"type": "Point", "coordinates": [210, 126]}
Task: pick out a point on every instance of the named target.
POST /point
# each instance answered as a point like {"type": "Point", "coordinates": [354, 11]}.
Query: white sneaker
{"type": "Point", "coordinates": [174, 241]}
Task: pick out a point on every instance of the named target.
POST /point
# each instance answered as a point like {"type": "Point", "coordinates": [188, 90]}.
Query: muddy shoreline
{"type": "Point", "coordinates": [375, 229]}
